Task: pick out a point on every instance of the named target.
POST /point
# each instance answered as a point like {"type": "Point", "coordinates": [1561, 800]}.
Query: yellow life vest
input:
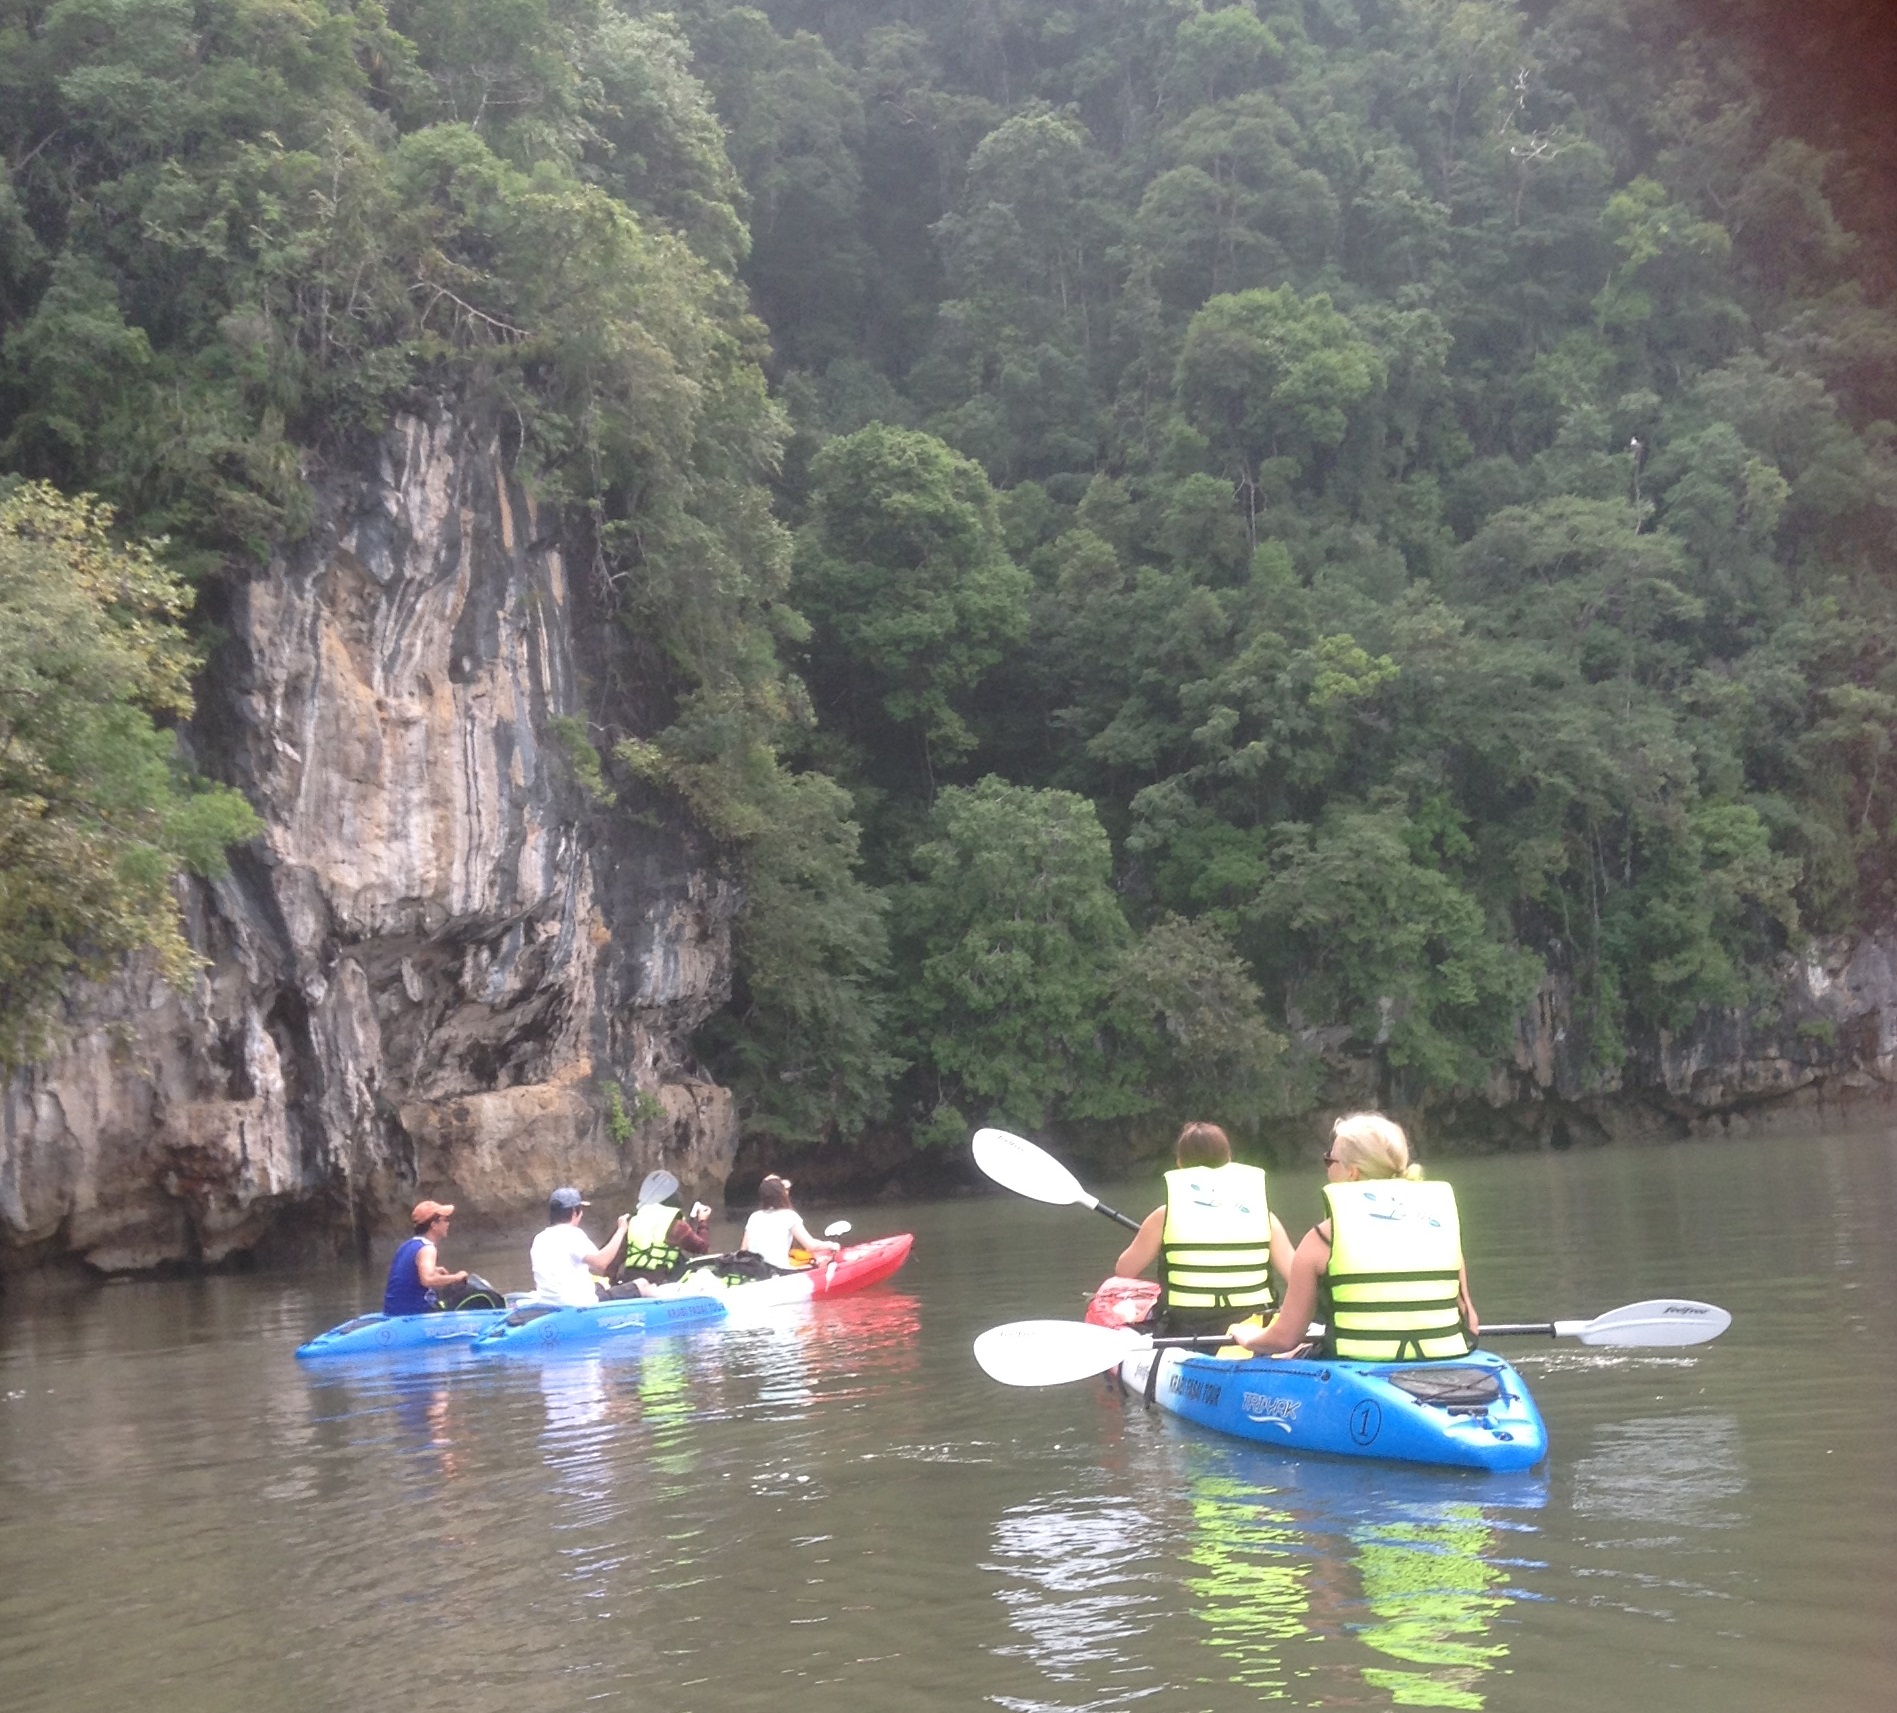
{"type": "Point", "coordinates": [1392, 1290]}
{"type": "Point", "coordinates": [1215, 1249]}
{"type": "Point", "coordinates": [648, 1249]}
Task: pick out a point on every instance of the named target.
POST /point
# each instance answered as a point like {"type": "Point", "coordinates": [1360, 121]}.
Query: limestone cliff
{"type": "Point", "coordinates": [422, 977]}
{"type": "Point", "coordinates": [1821, 1049]}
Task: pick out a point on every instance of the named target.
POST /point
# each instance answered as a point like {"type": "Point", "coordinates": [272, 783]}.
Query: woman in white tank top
{"type": "Point", "coordinates": [776, 1227]}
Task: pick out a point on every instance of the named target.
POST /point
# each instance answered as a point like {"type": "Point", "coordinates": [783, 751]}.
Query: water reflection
{"type": "Point", "coordinates": [1433, 1590]}
{"type": "Point", "coordinates": [1676, 1472]}
{"type": "Point", "coordinates": [1078, 1598]}
{"type": "Point", "coordinates": [424, 1414]}
{"type": "Point", "coordinates": [1278, 1556]}
{"type": "Point", "coordinates": [1249, 1580]}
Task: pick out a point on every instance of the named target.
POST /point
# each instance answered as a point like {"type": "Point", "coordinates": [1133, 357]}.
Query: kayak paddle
{"type": "Point", "coordinates": [1662, 1321]}
{"type": "Point", "coordinates": [1016, 1164]}
{"type": "Point", "coordinates": [658, 1186]}
{"type": "Point", "coordinates": [1053, 1352]}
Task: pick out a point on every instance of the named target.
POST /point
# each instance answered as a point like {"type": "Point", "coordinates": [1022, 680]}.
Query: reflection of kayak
{"type": "Point", "coordinates": [373, 1334]}
{"type": "Point", "coordinates": [699, 1299]}
{"type": "Point", "coordinates": [1471, 1412]}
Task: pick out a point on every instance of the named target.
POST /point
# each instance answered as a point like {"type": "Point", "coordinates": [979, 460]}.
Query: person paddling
{"type": "Point", "coordinates": [1215, 1238]}
{"type": "Point", "coordinates": [660, 1237]}
{"type": "Point", "coordinates": [415, 1275]}
{"type": "Point", "coordinates": [776, 1226]}
{"type": "Point", "coordinates": [1385, 1271]}
{"type": "Point", "coordinates": [565, 1262]}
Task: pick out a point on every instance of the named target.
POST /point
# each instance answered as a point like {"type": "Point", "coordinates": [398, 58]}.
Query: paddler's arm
{"type": "Point", "coordinates": [1468, 1304]}
{"type": "Point", "coordinates": [692, 1236]}
{"type": "Point", "coordinates": [819, 1248]}
{"type": "Point", "coordinates": [603, 1257]}
{"type": "Point", "coordinates": [1143, 1251]}
{"type": "Point", "coordinates": [1288, 1328]}
{"type": "Point", "coordinates": [431, 1273]}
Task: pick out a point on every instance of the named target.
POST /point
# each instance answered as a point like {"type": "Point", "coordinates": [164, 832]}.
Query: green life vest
{"type": "Point", "coordinates": [1392, 1290]}
{"type": "Point", "coordinates": [1215, 1250]}
{"type": "Point", "coordinates": [648, 1240]}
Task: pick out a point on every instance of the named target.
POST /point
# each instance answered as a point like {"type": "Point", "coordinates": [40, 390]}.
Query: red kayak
{"type": "Point", "coordinates": [1122, 1302]}
{"type": "Point", "coordinates": [854, 1269]}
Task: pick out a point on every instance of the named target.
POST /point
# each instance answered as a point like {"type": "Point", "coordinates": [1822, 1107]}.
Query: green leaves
{"type": "Point", "coordinates": [902, 566]}
{"type": "Point", "coordinates": [1268, 374]}
{"type": "Point", "coordinates": [1395, 944]}
{"type": "Point", "coordinates": [97, 813]}
{"type": "Point", "coordinates": [1015, 940]}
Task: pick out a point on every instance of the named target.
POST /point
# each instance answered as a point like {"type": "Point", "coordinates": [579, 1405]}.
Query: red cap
{"type": "Point", "coordinates": [426, 1211]}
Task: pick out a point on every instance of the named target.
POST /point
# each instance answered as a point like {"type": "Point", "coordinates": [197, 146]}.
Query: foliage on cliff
{"type": "Point", "coordinates": [96, 811]}
{"type": "Point", "coordinates": [1294, 516]}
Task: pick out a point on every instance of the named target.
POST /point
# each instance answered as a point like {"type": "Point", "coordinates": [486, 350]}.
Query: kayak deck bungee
{"type": "Point", "coordinates": [698, 1300]}
{"type": "Point", "coordinates": [376, 1334]}
{"type": "Point", "coordinates": [1471, 1412]}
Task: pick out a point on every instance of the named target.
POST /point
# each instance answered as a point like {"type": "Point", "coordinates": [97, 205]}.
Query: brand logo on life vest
{"type": "Point", "coordinates": [1375, 1208]}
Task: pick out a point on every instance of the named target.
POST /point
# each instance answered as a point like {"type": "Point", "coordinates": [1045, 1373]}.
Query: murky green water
{"type": "Point", "coordinates": [841, 1510]}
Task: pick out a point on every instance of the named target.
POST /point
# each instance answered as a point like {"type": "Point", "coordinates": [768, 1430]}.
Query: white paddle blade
{"type": "Point", "coordinates": [836, 1228]}
{"type": "Point", "coordinates": [1663, 1321]}
{"type": "Point", "coordinates": [1052, 1352]}
{"type": "Point", "coordinates": [658, 1186]}
{"type": "Point", "coordinates": [1016, 1164]}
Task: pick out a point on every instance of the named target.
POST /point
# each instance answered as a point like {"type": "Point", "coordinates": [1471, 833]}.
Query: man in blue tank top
{"type": "Point", "coordinates": [414, 1274]}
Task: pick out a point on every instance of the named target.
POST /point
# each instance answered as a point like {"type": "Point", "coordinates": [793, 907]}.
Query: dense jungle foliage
{"type": "Point", "coordinates": [1183, 531]}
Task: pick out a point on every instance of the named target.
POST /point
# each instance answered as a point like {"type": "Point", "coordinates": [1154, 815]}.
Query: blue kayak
{"type": "Point", "coordinates": [533, 1329]}
{"type": "Point", "coordinates": [1473, 1412]}
{"type": "Point", "coordinates": [377, 1334]}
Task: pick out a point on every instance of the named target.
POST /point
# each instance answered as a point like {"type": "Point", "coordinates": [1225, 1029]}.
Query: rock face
{"type": "Point", "coordinates": [1825, 1048]}
{"type": "Point", "coordinates": [425, 975]}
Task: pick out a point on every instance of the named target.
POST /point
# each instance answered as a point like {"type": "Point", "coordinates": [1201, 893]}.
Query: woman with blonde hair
{"type": "Point", "coordinates": [1384, 1272]}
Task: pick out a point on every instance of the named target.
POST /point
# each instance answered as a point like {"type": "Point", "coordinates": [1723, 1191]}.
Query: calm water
{"type": "Point", "coordinates": [841, 1510]}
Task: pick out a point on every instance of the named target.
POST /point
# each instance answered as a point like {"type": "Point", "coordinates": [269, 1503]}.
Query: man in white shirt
{"type": "Point", "coordinates": [564, 1259]}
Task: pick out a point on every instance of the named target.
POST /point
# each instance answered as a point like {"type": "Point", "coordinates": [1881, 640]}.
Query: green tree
{"type": "Point", "coordinates": [98, 815]}
{"type": "Point", "coordinates": [903, 569]}
{"type": "Point", "coordinates": [1016, 942]}
{"type": "Point", "coordinates": [1268, 376]}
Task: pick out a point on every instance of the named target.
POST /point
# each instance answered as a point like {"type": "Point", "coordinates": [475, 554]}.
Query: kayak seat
{"type": "Point", "coordinates": [739, 1267]}
{"type": "Point", "coordinates": [527, 1313]}
{"type": "Point", "coordinates": [1448, 1387]}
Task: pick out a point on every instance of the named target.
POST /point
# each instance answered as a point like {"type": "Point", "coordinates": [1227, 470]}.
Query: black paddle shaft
{"type": "Point", "coordinates": [1113, 1213]}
